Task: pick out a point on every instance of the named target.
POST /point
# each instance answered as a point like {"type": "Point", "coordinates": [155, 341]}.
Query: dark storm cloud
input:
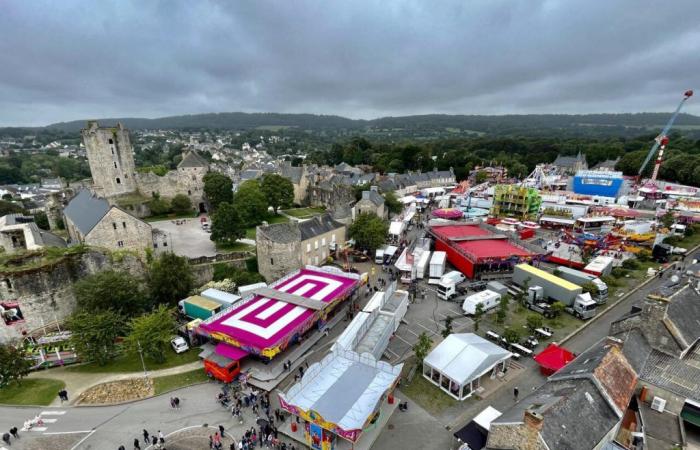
{"type": "Point", "coordinates": [71, 60]}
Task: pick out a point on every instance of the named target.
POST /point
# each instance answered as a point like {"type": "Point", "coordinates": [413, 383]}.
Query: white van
{"type": "Point", "coordinates": [487, 299]}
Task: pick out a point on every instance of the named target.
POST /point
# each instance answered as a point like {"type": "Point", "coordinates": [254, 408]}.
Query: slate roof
{"type": "Point", "coordinates": [251, 174]}
{"type": "Point", "coordinates": [607, 164]}
{"type": "Point", "coordinates": [192, 159]}
{"type": "Point", "coordinates": [373, 196]}
{"type": "Point", "coordinates": [569, 161]}
{"type": "Point", "coordinates": [680, 376]}
{"type": "Point", "coordinates": [684, 314]}
{"type": "Point", "coordinates": [282, 233]}
{"type": "Point", "coordinates": [293, 173]}
{"type": "Point", "coordinates": [86, 210]}
{"type": "Point", "coordinates": [317, 226]}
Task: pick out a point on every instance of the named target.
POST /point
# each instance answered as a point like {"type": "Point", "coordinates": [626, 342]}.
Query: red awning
{"type": "Point", "coordinates": [554, 357]}
{"type": "Point", "coordinates": [229, 351]}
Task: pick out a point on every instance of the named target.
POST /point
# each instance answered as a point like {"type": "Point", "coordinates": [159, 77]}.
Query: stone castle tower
{"type": "Point", "coordinates": [111, 159]}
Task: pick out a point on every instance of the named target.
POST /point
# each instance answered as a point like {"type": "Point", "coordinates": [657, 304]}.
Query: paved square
{"type": "Point", "coordinates": [188, 238]}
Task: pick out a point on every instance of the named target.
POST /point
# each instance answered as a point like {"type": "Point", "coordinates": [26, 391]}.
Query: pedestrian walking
{"type": "Point", "coordinates": [211, 442]}
{"type": "Point", "coordinates": [14, 432]}
{"type": "Point", "coordinates": [515, 393]}
{"type": "Point", "coordinates": [6, 438]}
{"type": "Point", "coordinates": [145, 437]}
{"type": "Point", "coordinates": [137, 445]}
{"type": "Point", "coordinates": [221, 429]}
{"type": "Point", "coordinates": [172, 403]}
{"type": "Point", "coordinates": [121, 447]}
{"type": "Point", "coordinates": [177, 402]}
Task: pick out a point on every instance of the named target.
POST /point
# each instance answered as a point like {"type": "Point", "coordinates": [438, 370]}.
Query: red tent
{"type": "Point", "coordinates": [553, 358]}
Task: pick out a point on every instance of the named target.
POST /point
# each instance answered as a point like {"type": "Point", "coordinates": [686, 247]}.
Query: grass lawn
{"type": "Point", "coordinates": [304, 213]}
{"type": "Point", "coordinates": [132, 363]}
{"type": "Point", "coordinates": [235, 247]}
{"type": "Point", "coordinates": [173, 216]}
{"type": "Point", "coordinates": [250, 232]}
{"type": "Point", "coordinates": [35, 391]}
{"type": "Point", "coordinates": [427, 395]}
{"type": "Point", "coordinates": [170, 382]}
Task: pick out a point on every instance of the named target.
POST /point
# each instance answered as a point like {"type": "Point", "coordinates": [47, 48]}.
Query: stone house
{"type": "Point", "coordinates": [583, 406]}
{"type": "Point", "coordinates": [285, 247]}
{"type": "Point", "coordinates": [331, 193]}
{"type": "Point", "coordinates": [371, 202]}
{"type": "Point", "coordinates": [18, 232]}
{"type": "Point", "coordinates": [91, 220]}
{"type": "Point", "coordinates": [571, 164]}
{"type": "Point", "coordinates": [299, 178]}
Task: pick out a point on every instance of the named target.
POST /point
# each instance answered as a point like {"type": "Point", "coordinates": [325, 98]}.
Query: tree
{"type": "Point", "coordinates": [668, 219]}
{"type": "Point", "coordinates": [357, 190]}
{"type": "Point", "coordinates": [169, 279]}
{"type": "Point", "coordinates": [110, 290]}
{"type": "Point", "coordinates": [533, 322]}
{"type": "Point", "coordinates": [590, 288]}
{"type": "Point", "coordinates": [218, 188]}
{"type": "Point", "coordinates": [478, 314]}
{"type": "Point", "coordinates": [521, 296]}
{"type": "Point", "coordinates": [481, 176]}
{"type": "Point", "coordinates": [181, 204]}
{"type": "Point", "coordinates": [448, 327]}
{"type": "Point", "coordinates": [94, 335]}
{"type": "Point", "coordinates": [250, 203]}
{"type": "Point", "coordinates": [278, 190]}
{"type": "Point", "coordinates": [226, 224]}
{"type": "Point", "coordinates": [422, 346]}
{"type": "Point", "coordinates": [392, 203]}
{"type": "Point", "coordinates": [502, 309]}
{"type": "Point", "coordinates": [511, 335]}
{"type": "Point", "coordinates": [41, 220]}
{"type": "Point", "coordinates": [13, 364]}
{"type": "Point", "coordinates": [558, 308]}
{"type": "Point", "coordinates": [152, 333]}
{"type": "Point", "coordinates": [368, 231]}
{"type": "Point", "coordinates": [158, 206]}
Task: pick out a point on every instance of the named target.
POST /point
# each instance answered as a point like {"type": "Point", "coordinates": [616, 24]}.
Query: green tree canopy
{"type": "Point", "coordinates": [158, 205]}
{"type": "Point", "coordinates": [170, 279]}
{"type": "Point", "coordinates": [13, 364]}
{"type": "Point", "coordinates": [218, 188]}
{"type": "Point", "coordinates": [250, 203]}
{"type": "Point", "coordinates": [422, 346]}
{"type": "Point", "coordinates": [94, 335]}
{"type": "Point", "coordinates": [392, 203]}
{"type": "Point", "coordinates": [533, 322]}
{"type": "Point", "coordinates": [369, 231]}
{"type": "Point", "coordinates": [226, 224]}
{"type": "Point", "coordinates": [152, 332]}
{"type": "Point", "coordinates": [278, 190]}
{"type": "Point", "coordinates": [181, 204]}
{"type": "Point", "coordinates": [10, 208]}
{"type": "Point", "coordinates": [109, 289]}
{"type": "Point", "coordinates": [511, 335]}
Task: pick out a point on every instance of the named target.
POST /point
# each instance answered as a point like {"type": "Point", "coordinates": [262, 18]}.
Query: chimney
{"type": "Point", "coordinates": [373, 188]}
{"type": "Point", "coordinates": [533, 420]}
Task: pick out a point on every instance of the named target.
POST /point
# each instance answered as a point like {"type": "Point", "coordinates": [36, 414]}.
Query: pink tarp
{"type": "Point", "coordinates": [448, 213]}
{"type": "Point", "coordinates": [265, 326]}
{"type": "Point", "coordinates": [229, 351]}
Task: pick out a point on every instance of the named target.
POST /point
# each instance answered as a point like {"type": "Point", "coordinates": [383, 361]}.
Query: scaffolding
{"type": "Point", "coordinates": [518, 202]}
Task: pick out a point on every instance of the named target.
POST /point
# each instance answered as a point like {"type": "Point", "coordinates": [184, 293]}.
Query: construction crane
{"type": "Point", "coordinates": [661, 141]}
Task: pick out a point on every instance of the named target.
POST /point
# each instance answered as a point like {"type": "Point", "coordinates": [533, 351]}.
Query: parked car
{"type": "Point", "coordinates": [179, 344]}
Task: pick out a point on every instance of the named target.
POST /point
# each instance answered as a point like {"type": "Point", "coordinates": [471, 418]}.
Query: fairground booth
{"type": "Point", "coordinates": [271, 318]}
{"type": "Point", "coordinates": [475, 251]}
{"type": "Point", "coordinates": [339, 398]}
{"type": "Point", "coordinates": [553, 358]}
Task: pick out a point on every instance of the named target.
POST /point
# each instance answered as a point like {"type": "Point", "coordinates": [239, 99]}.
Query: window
{"type": "Point", "coordinates": [155, 245]}
{"type": "Point", "coordinates": [119, 181]}
{"type": "Point", "coordinates": [112, 150]}
{"type": "Point", "coordinates": [124, 224]}
{"type": "Point", "coordinates": [114, 225]}
{"type": "Point", "coordinates": [126, 175]}
{"type": "Point", "coordinates": [316, 244]}
{"type": "Point", "coordinates": [272, 261]}
{"type": "Point", "coordinates": [323, 242]}
{"type": "Point", "coordinates": [308, 248]}
{"type": "Point", "coordinates": [120, 243]}
{"type": "Point", "coordinates": [165, 244]}
{"type": "Point", "coordinates": [115, 164]}
{"type": "Point", "coordinates": [315, 260]}
{"type": "Point", "coordinates": [189, 192]}
{"type": "Point", "coordinates": [333, 238]}
{"type": "Point", "coordinates": [111, 141]}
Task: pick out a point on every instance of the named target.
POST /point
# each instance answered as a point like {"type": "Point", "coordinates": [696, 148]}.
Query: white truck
{"type": "Point", "coordinates": [447, 286]}
{"type": "Point", "coordinates": [581, 278]}
{"type": "Point", "coordinates": [379, 255]}
{"type": "Point", "coordinates": [437, 267]}
{"type": "Point", "coordinates": [422, 264]}
{"type": "Point", "coordinates": [487, 299]}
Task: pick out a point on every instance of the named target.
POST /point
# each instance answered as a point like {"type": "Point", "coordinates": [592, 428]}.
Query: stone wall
{"type": "Point", "coordinates": [46, 294]}
{"type": "Point", "coordinates": [119, 230]}
{"type": "Point", "coordinates": [186, 180]}
{"type": "Point", "coordinates": [276, 260]}
{"type": "Point", "coordinates": [111, 159]}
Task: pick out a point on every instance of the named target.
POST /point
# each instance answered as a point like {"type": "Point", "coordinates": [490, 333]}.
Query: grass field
{"type": "Point", "coordinates": [427, 395]}
{"type": "Point", "coordinates": [170, 382]}
{"type": "Point", "coordinates": [235, 247]}
{"type": "Point", "coordinates": [130, 362]}
{"type": "Point", "coordinates": [173, 216]}
{"type": "Point", "coordinates": [304, 213]}
{"type": "Point", "coordinates": [37, 391]}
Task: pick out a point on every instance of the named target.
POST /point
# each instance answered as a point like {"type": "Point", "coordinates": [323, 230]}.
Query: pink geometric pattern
{"type": "Point", "coordinates": [263, 323]}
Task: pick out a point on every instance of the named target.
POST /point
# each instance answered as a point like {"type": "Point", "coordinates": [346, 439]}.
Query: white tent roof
{"type": "Point", "coordinates": [407, 199]}
{"type": "Point", "coordinates": [485, 417]}
{"type": "Point", "coordinates": [396, 227]}
{"type": "Point", "coordinates": [344, 388]}
{"type": "Point", "coordinates": [220, 296]}
{"type": "Point", "coordinates": [464, 357]}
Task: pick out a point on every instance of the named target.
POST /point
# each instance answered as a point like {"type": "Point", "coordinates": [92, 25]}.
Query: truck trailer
{"type": "Point", "coordinates": [487, 299]}
{"type": "Point", "coordinates": [447, 286]}
{"type": "Point", "coordinates": [545, 287]}
{"type": "Point", "coordinates": [580, 278]}
{"type": "Point", "coordinates": [198, 307]}
{"type": "Point", "coordinates": [437, 267]}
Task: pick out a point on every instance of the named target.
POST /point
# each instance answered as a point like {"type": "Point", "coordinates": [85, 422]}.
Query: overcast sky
{"type": "Point", "coordinates": [66, 60]}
